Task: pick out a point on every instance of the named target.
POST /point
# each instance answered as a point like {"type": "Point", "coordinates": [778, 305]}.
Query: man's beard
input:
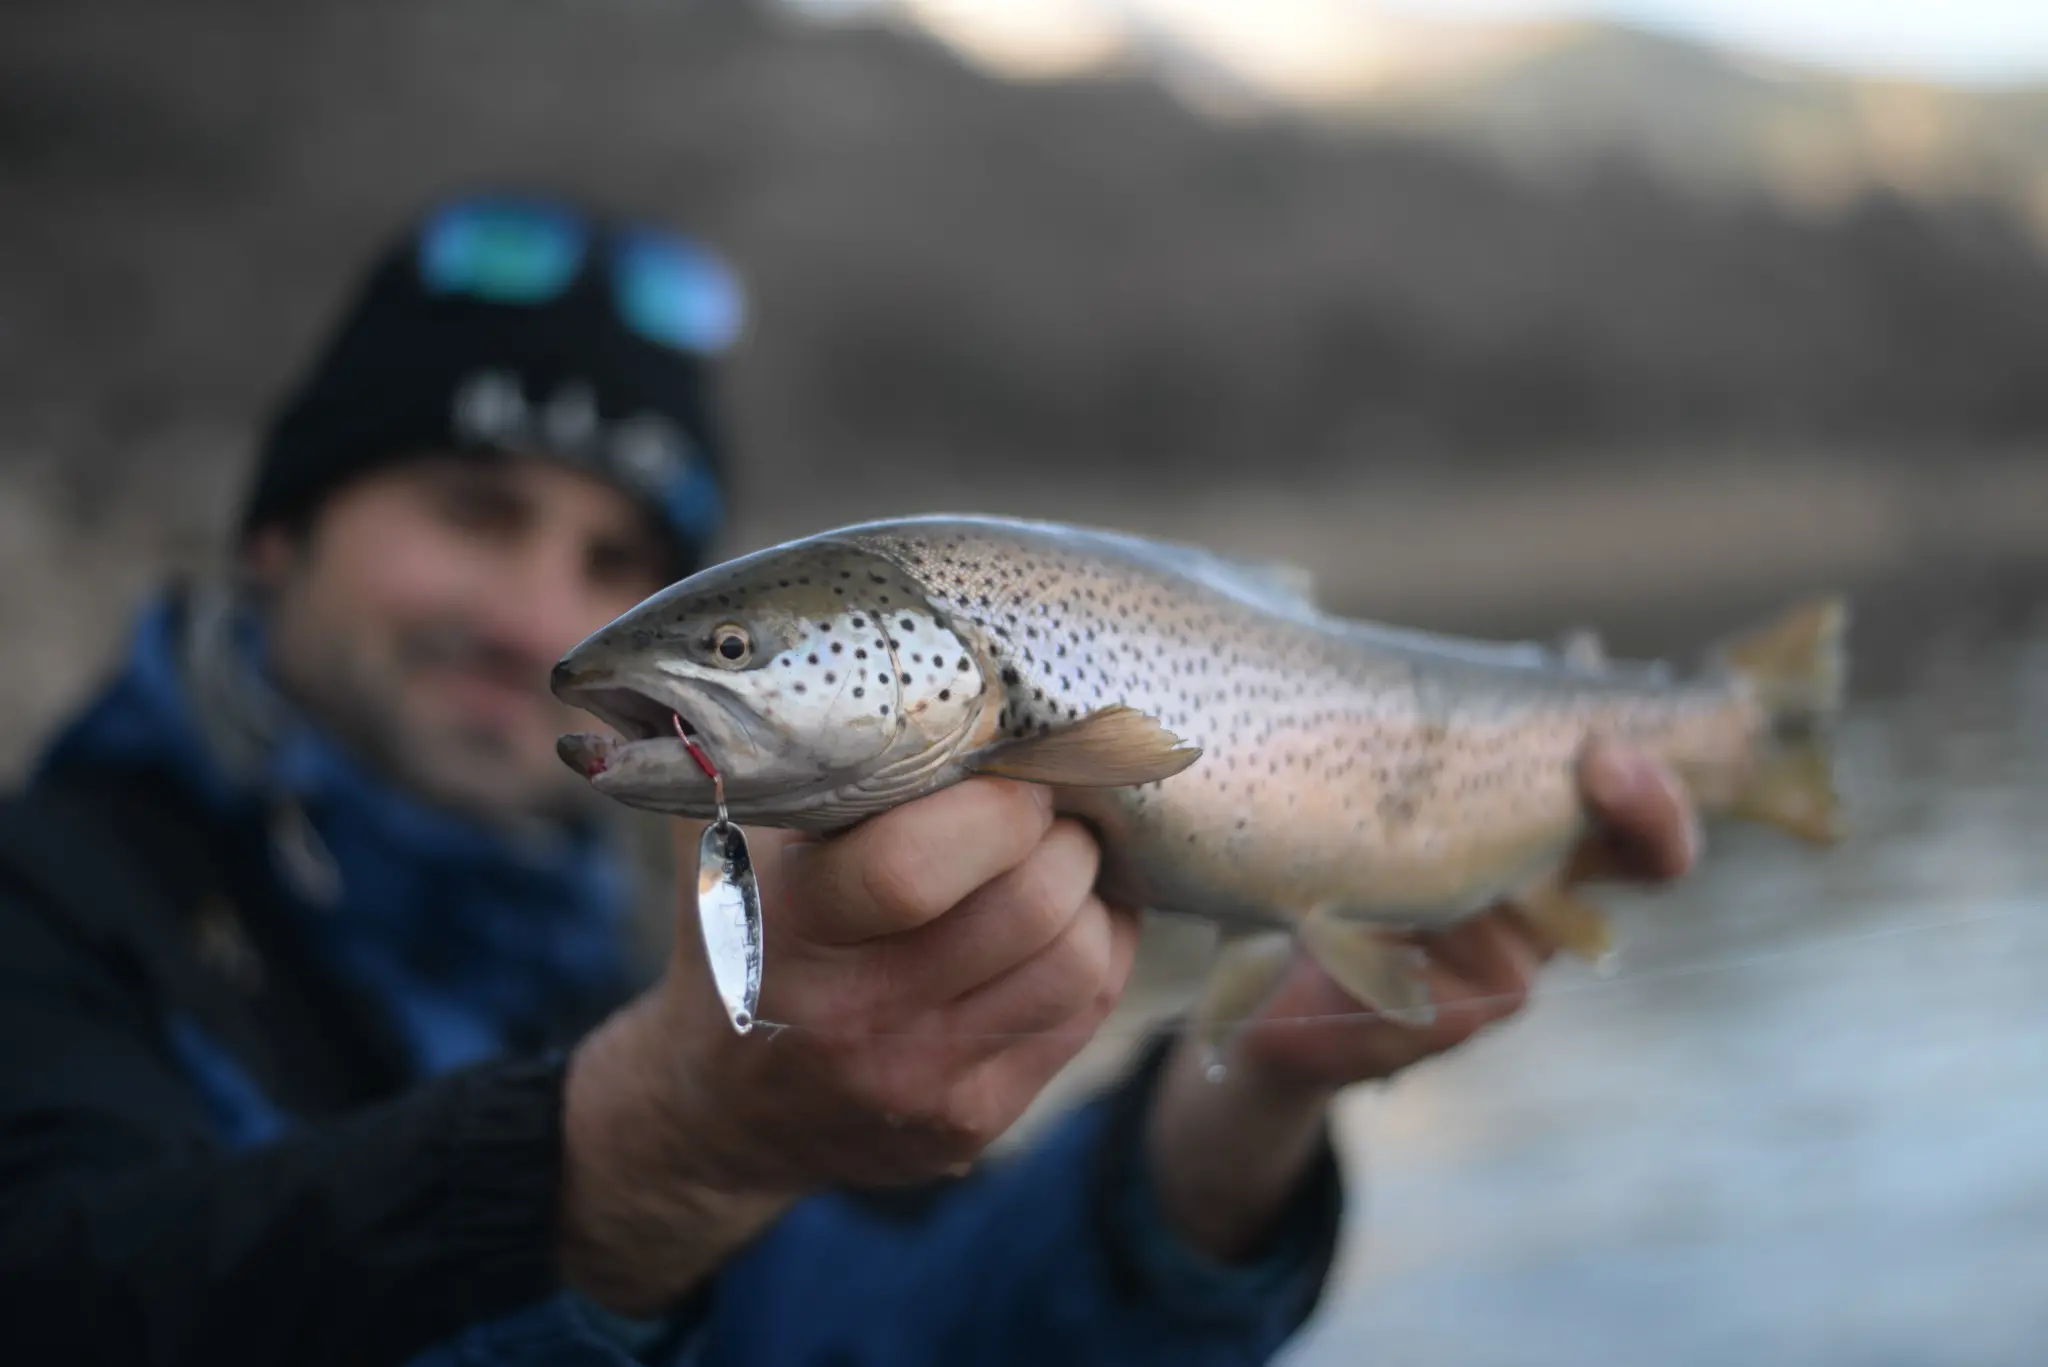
{"type": "Point", "coordinates": [475, 769]}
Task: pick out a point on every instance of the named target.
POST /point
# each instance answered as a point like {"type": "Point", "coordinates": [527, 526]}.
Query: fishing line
{"type": "Point", "coordinates": [1246, 1025]}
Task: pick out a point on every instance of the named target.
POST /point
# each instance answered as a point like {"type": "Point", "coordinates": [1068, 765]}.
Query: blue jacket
{"type": "Point", "coordinates": [282, 1083]}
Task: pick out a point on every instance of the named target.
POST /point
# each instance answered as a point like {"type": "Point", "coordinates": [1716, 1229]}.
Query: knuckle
{"type": "Point", "coordinates": [899, 879]}
{"type": "Point", "coordinates": [1026, 804]}
{"type": "Point", "coordinates": [974, 1117]}
{"type": "Point", "coordinates": [1511, 1000]}
{"type": "Point", "coordinates": [899, 1090]}
{"type": "Point", "coordinates": [1043, 898]}
{"type": "Point", "coordinates": [1071, 964]}
{"type": "Point", "coordinates": [1095, 951]}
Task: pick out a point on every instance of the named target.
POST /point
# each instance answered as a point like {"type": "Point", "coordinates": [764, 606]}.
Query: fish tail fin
{"type": "Point", "coordinates": [1797, 666]}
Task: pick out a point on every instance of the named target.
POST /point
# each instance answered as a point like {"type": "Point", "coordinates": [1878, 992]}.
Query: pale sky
{"type": "Point", "coordinates": [1959, 40]}
{"type": "Point", "coordinates": [1950, 40]}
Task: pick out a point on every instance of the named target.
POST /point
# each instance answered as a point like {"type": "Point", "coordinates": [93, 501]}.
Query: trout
{"type": "Point", "coordinates": [1293, 776]}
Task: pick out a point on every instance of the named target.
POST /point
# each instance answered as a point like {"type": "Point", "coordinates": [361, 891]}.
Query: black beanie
{"type": "Point", "coordinates": [411, 371]}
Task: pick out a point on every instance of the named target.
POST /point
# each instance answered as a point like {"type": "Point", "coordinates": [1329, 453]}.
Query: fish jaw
{"type": "Point", "coordinates": [648, 763]}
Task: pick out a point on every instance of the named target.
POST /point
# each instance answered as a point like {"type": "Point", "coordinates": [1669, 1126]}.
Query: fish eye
{"type": "Point", "coordinates": [731, 643]}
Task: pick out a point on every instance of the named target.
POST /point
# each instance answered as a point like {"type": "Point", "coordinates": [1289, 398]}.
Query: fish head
{"type": "Point", "coordinates": [800, 673]}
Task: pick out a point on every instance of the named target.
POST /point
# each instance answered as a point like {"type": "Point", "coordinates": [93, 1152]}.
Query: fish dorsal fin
{"type": "Point", "coordinates": [1297, 582]}
{"type": "Point", "coordinates": [1581, 648]}
{"type": "Point", "coordinates": [1277, 585]}
{"type": "Point", "coordinates": [1116, 747]}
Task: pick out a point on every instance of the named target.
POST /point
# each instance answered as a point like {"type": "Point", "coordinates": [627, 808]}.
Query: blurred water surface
{"type": "Point", "coordinates": [1808, 1123]}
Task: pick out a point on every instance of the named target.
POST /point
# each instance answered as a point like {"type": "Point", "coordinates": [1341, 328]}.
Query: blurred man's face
{"type": "Point", "coordinates": [420, 615]}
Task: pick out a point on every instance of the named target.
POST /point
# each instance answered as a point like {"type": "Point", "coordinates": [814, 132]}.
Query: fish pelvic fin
{"type": "Point", "coordinates": [1115, 747]}
{"type": "Point", "coordinates": [1797, 667]}
{"type": "Point", "coordinates": [1247, 972]}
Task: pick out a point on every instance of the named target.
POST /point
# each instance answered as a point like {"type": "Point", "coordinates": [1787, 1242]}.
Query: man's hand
{"type": "Point", "coordinates": [1227, 1155]}
{"type": "Point", "coordinates": [935, 967]}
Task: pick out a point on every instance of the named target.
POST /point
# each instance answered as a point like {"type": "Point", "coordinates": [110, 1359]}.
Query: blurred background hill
{"type": "Point", "coordinates": [1173, 270]}
{"type": "Point", "coordinates": [1489, 321]}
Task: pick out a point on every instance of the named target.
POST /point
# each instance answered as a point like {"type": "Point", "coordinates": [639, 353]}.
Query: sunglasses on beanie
{"type": "Point", "coordinates": [665, 288]}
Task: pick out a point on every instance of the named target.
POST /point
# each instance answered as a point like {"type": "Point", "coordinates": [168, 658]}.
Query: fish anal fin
{"type": "Point", "coordinates": [1570, 922]}
{"type": "Point", "coordinates": [1380, 973]}
{"type": "Point", "coordinates": [1114, 748]}
{"type": "Point", "coordinates": [1792, 790]}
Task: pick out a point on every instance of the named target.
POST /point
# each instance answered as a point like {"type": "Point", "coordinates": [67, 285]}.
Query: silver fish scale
{"type": "Point", "coordinates": [1337, 767]}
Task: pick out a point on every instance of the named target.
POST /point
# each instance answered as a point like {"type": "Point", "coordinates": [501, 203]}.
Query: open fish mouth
{"type": "Point", "coordinates": [648, 729]}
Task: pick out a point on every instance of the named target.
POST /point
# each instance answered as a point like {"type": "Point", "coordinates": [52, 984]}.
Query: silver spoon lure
{"type": "Point", "coordinates": [728, 903]}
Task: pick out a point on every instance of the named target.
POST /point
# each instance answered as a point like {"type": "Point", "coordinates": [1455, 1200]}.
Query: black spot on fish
{"type": "Point", "coordinates": [945, 695]}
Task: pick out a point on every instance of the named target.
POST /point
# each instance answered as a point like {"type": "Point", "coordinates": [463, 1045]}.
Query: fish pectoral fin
{"type": "Point", "coordinates": [1245, 974]}
{"type": "Point", "coordinates": [1570, 922]}
{"type": "Point", "coordinates": [1380, 972]}
{"type": "Point", "coordinates": [1114, 748]}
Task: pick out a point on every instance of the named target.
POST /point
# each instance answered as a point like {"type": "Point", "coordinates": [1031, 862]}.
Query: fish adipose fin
{"type": "Point", "coordinates": [1380, 973]}
{"type": "Point", "coordinates": [1797, 667]}
{"type": "Point", "coordinates": [1582, 648]}
{"type": "Point", "coordinates": [1116, 747]}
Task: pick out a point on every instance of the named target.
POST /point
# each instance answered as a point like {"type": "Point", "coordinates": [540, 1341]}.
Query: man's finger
{"type": "Point", "coordinates": [1493, 953]}
{"type": "Point", "coordinates": [1043, 993]}
{"type": "Point", "coordinates": [1004, 922]}
{"type": "Point", "coordinates": [1033, 1061]}
{"type": "Point", "coordinates": [907, 867]}
{"type": "Point", "coordinates": [1647, 827]}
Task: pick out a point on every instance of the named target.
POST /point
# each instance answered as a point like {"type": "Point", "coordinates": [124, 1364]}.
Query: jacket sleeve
{"type": "Point", "coordinates": [422, 1230]}
{"type": "Point", "coordinates": [1057, 1254]}
{"type": "Point", "coordinates": [129, 1233]}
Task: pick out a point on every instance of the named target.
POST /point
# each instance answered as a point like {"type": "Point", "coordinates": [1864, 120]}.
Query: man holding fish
{"type": "Point", "coordinates": [322, 1041]}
